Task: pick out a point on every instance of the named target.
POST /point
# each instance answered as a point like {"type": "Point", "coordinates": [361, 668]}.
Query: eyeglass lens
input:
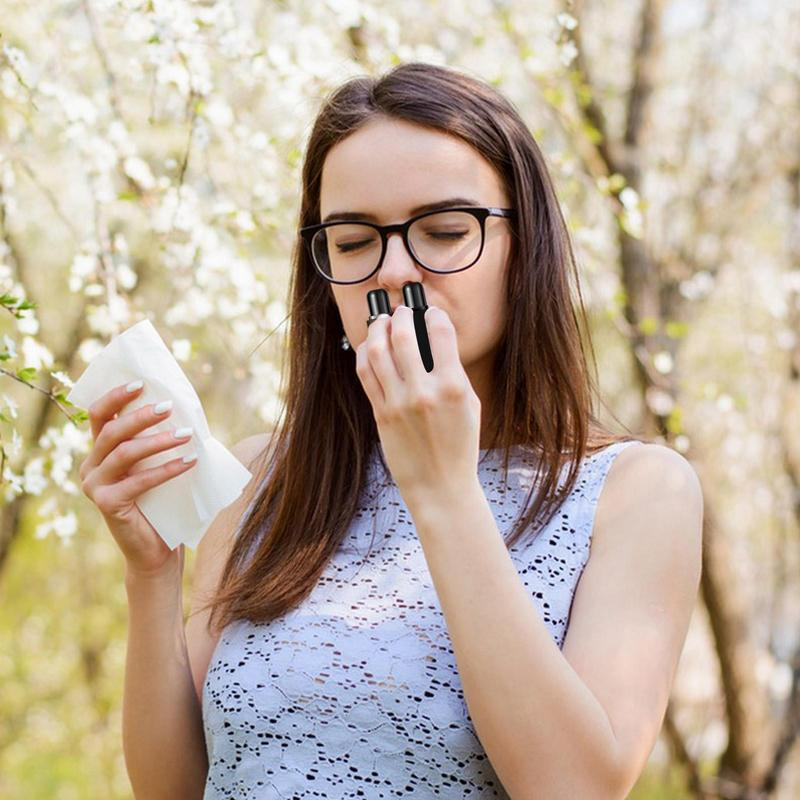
{"type": "Point", "coordinates": [446, 241]}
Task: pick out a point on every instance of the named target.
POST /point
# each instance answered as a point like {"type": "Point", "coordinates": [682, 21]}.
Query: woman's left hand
{"type": "Point", "coordinates": [428, 422]}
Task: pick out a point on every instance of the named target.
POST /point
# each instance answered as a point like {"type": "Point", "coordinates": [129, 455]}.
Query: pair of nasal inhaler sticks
{"type": "Point", "coordinates": [414, 298]}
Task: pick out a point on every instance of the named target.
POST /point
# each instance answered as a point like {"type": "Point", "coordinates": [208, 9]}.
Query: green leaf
{"type": "Point", "coordinates": [648, 325]}
{"type": "Point", "coordinates": [591, 133]}
{"type": "Point", "coordinates": [676, 329]}
{"type": "Point", "coordinates": [26, 374]}
{"type": "Point", "coordinates": [554, 95]}
{"type": "Point", "coordinates": [583, 93]}
{"type": "Point", "coordinates": [616, 182]}
{"type": "Point", "coordinates": [674, 422]}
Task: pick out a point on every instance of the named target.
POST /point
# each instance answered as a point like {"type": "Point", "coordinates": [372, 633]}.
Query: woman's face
{"type": "Point", "coordinates": [385, 170]}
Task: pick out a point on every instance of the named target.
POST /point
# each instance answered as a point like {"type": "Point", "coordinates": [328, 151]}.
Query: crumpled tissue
{"type": "Point", "coordinates": [182, 508]}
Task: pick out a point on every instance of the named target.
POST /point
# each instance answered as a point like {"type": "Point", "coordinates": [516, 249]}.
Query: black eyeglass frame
{"type": "Point", "coordinates": [479, 212]}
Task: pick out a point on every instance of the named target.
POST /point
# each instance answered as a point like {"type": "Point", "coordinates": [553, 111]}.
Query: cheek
{"type": "Point", "coordinates": [354, 319]}
{"type": "Point", "coordinates": [480, 327]}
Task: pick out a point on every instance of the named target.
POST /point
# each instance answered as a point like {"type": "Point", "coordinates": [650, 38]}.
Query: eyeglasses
{"type": "Point", "coordinates": [449, 240]}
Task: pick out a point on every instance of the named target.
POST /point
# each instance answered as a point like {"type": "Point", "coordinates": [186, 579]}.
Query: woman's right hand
{"type": "Point", "coordinates": [107, 482]}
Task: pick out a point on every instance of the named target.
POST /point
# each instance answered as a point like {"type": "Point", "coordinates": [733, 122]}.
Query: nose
{"type": "Point", "coordinates": [398, 267]}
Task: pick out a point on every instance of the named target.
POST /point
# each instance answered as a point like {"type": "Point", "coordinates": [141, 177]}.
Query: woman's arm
{"type": "Point", "coordinates": [162, 727]}
{"type": "Point", "coordinates": [578, 723]}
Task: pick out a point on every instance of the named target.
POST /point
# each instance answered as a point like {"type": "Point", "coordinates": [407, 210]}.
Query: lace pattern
{"type": "Point", "coordinates": [356, 693]}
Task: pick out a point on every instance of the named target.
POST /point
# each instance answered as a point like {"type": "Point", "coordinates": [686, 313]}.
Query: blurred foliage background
{"type": "Point", "coordinates": [149, 166]}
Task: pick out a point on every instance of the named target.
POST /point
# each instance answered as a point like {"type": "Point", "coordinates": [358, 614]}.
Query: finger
{"type": "Point", "coordinates": [118, 430]}
{"type": "Point", "coordinates": [381, 357]}
{"type": "Point", "coordinates": [121, 460]}
{"type": "Point", "coordinates": [443, 340]}
{"type": "Point", "coordinates": [104, 408]}
{"type": "Point", "coordinates": [113, 497]}
{"type": "Point", "coordinates": [369, 380]}
{"type": "Point", "coordinates": [406, 347]}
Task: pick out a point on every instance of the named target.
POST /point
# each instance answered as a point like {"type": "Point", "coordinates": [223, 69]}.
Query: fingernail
{"type": "Point", "coordinates": [182, 433]}
{"type": "Point", "coordinates": [191, 457]}
{"type": "Point", "coordinates": [134, 386]}
{"type": "Point", "coordinates": [162, 407]}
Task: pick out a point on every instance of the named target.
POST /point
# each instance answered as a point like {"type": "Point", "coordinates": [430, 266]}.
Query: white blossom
{"type": "Point", "coordinates": [663, 362]}
{"type": "Point", "coordinates": [682, 443]}
{"type": "Point", "coordinates": [11, 407]}
{"type": "Point", "coordinates": [724, 402]}
{"type": "Point", "coordinates": [35, 354]}
{"type": "Point", "coordinates": [181, 349]}
{"type": "Point", "coordinates": [659, 401]}
{"type": "Point", "coordinates": [567, 21]}
{"type": "Point", "coordinates": [568, 52]}
{"type": "Point", "coordinates": [11, 345]}
{"type": "Point", "coordinates": [138, 170]}
{"type": "Point", "coordinates": [698, 286]}
{"type": "Point", "coordinates": [34, 480]}
{"type": "Point", "coordinates": [62, 377]}
{"type": "Point", "coordinates": [63, 526]}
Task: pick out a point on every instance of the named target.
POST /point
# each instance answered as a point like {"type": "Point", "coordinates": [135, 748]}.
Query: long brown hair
{"type": "Point", "coordinates": [311, 478]}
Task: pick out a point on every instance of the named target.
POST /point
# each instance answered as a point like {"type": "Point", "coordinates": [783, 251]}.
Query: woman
{"type": "Point", "coordinates": [445, 658]}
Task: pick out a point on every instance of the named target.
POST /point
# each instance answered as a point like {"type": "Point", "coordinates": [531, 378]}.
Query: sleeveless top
{"type": "Point", "coordinates": [356, 692]}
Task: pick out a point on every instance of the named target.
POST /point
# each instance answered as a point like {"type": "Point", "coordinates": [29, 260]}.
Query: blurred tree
{"type": "Point", "coordinates": [149, 166]}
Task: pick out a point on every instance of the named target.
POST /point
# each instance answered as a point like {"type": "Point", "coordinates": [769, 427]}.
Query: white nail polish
{"type": "Point", "coordinates": [189, 458]}
{"type": "Point", "coordinates": [163, 406]}
{"type": "Point", "coordinates": [182, 433]}
{"type": "Point", "coordinates": [134, 385]}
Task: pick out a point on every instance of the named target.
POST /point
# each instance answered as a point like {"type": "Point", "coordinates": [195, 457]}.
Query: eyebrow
{"type": "Point", "coordinates": [355, 215]}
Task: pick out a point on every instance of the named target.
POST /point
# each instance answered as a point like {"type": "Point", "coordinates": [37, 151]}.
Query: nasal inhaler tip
{"type": "Point", "coordinates": [414, 295]}
{"type": "Point", "coordinates": [378, 301]}
{"type": "Point", "coordinates": [414, 298]}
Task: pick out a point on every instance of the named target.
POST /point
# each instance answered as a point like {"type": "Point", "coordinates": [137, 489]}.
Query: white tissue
{"type": "Point", "coordinates": [182, 508]}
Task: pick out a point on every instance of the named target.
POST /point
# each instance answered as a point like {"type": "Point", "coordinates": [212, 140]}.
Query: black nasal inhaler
{"type": "Point", "coordinates": [378, 302]}
{"type": "Point", "coordinates": [414, 298]}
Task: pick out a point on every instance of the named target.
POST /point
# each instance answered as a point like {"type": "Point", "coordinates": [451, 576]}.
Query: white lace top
{"type": "Point", "coordinates": [356, 693]}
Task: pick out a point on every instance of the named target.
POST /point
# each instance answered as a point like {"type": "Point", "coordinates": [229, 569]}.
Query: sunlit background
{"type": "Point", "coordinates": [149, 166]}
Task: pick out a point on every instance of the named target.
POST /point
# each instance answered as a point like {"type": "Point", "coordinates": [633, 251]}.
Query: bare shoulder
{"type": "Point", "coordinates": [254, 443]}
{"type": "Point", "coordinates": [648, 479]}
{"type": "Point", "coordinates": [247, 450]}
{"type": "Point", "coordinates": [646, 461]}
{"type": "Point", "coordinates": [211, 556]}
